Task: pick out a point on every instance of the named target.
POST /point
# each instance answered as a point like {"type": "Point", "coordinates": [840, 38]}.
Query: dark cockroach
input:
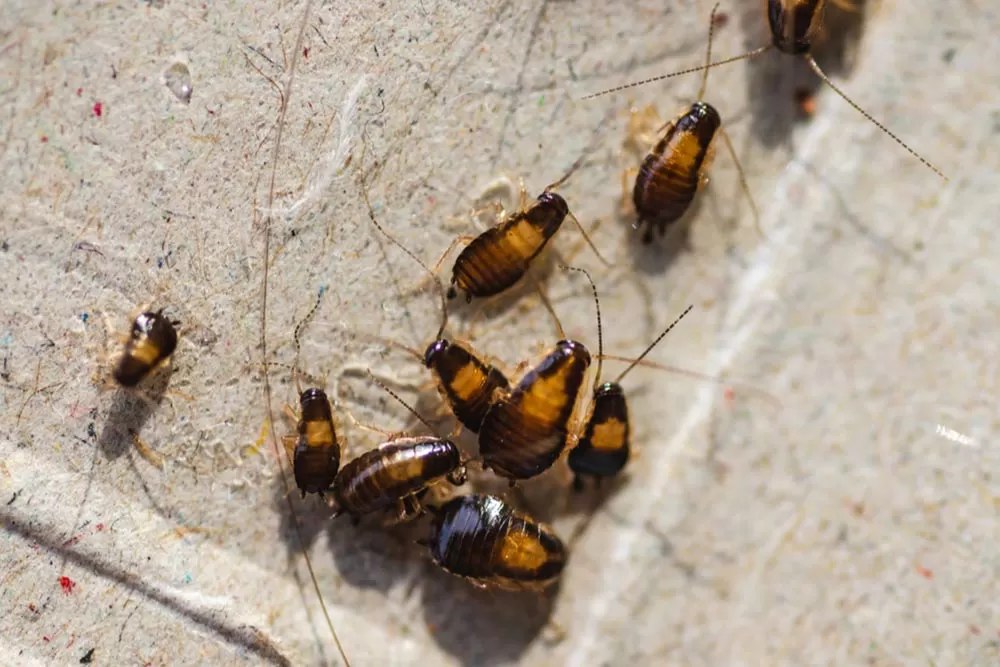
{"type": "Point", "coordinates": [150, 343]}
{"type": "Point", "coordinates": [483, 539]}
{"type": "Point", "coordinates": [466, 382]}
{"type": "Point", "coordinates": [498, 258]}
{"type": "Point", "coordinates": [677, 166]}
{"type": "Point", "coordinates": [793, 24]}
{"type": "Point", "coordinates": [314, 451]}
{"type": "Point", "coordinates": [525, 429]}
{"type": "Point", "coordinates": [394, 474]}
{"type": "Point", "coordinates": [603, 447]}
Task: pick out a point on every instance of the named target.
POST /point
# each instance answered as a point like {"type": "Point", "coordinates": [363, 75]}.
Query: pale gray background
{"type": "Point", "coordinates": [838, 529]}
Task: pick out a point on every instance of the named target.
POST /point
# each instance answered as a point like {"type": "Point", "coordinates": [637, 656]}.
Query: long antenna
{"type": "Point", "coordinates": [815, 68]}
{"type": "Point", "coordinates": [743, 181]}
{"type": "Point", "coordinates": [600, 332]}
{"type": "Point", "coordinates": [586, 237]}
{"type": "Point", "coordinates": [406, 405]}
{"type": "Point", "coordinates": [748, 388]}
{"type": "Point", "coordinates": [636, 361]}
{"type": "Point", "coordinates": [595, 139]}
{"type": "Point", "coordinates": [691, 70]}
{"type": "Point", "coordinates": [298, 341]}
{"type": "Point", "coordinates": [565, 177]}
{"type": "Point", "coordinates": [285, 96]}
{"type": "Point", "coordinates": [444, 300]}
{"type": "Point", "coordinates": [597, 135]}
{"type": "Point", "coordinates": [708, 52]}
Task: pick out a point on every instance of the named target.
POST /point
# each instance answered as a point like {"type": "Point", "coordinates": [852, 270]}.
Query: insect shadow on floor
{"type": "Point", "coordinates": [129, 413]}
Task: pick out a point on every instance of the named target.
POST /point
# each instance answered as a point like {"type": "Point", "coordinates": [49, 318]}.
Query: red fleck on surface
{"type": "Point", "coordinates": [99, 527]}
{"type": "Point", "coordinates": [729, 393]}
{"type": "Point", "coordinates": [806, 101]}
{"type": "Point", "coordinates": [98, 109]}
{"type": "Point", "coordinates": [45, 639]}
{"type": "Point", "coordinates": [79, 92]}
{"type": "Point", "coordinates": [974, 629]}
{"type": "Point", "coordinates": [45, 139]}
{"type": "Point", "coordinates": [67, 584]}
{"type": "Point", "coordinates": [720, 20]}
{"type": "Point", "coordinates": [924, 572]}
{"type": "Point", "coordinates": [305, 51]}
{"type": "Point", "coordinates": [71, 541]}
{"type": "Point", "coordinates": [32, 608]}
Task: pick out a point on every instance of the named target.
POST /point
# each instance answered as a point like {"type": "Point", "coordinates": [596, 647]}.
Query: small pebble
{"type": "Point", "coordinates": [178, 80]}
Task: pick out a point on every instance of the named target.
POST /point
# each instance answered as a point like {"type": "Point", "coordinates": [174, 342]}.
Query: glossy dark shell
{"type": "Point", "coordinates": [499, 257]}
{"type": "Point", "coordinates": [482, 538]}
{"type": "Point", "coordinates": [382, 477]}
{"type": "Point", "coordinates": [793, 24]}
{"type": "Point", "coordinates": [524, 431]}
{"type": "Point", "coordinates": [603, 450]}
{"type": "Point", "coordinates": [152, 340]}
{"type": "Point", "coordinates": [317, 452]}
{"type": "Point", "coordinates": [669, 176]}
{"type": "Point", "coordinates": [467, 384]}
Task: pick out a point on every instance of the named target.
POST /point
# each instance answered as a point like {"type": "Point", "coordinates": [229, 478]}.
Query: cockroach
{"type": "Point", "coordinates": [677, 166]}
{"type": "Point", "coordinates": [498, 258]}
{"type": "Point", "coordinates": [465, 381]}
{"type": "Point", "coordinates": [396, 473]}
{"type": "Point", "coordinates": [149, 346]}
{"type": "Point", "coordinates": [486, 541]}
{"type": "Point", "coordinates": [603, 448]}
{"type": "Point", "coordinates": [525, 429]}
{"type": "Point", "coordinates": [314, 452]}
{"type": "Point", "coordinates": [794, 24]}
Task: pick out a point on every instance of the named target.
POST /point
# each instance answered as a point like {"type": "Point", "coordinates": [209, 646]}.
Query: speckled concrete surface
{"type": "Point", "coordinates": [853, 523]}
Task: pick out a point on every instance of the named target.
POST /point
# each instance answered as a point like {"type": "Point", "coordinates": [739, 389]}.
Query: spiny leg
{"type": "Point", "coordinates": [639, 135]}
{"type": "Point", "coordinates": [289, 441]}
{"type": "Point", "coordinates": [422, 284]}
{"type": "Point", "coordinates": [743, 181]}
{"type": "Point", "coordinates": [627, 207]}
{"type": "Point", "coordinates": [580, 245]}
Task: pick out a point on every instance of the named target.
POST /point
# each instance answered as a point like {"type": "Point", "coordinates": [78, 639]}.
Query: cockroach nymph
{"type": "Point", "coordinates": [396, 473]}
{"type": "Point", "coordinates": [677, 166]}
{"type": "Point", "coordinates": [498, 258]}
{"type": "Point", "coordinates": [603, 448]}
{"type": "Point", "coordinates": [483, 539]}
{"type": "Point", "coordinates": [314, 451]}
{"type": "Point", "coordinates": [525, 429]}
{"type": "Point", "coordinates": [151, 341]}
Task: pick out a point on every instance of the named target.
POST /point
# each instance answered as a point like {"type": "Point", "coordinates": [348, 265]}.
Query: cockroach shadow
{"type": "Point", "coordinates": [778, 88]}
{"type": "Point", "coordinates": [129, 412]}
{"type": "Point", "coordinates": [657, 257]}
{"type": "Point", "coordinates": [483, 627]}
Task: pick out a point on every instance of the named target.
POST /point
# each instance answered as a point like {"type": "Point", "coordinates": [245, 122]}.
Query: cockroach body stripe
{"type": "Point", "coordinates": [483, 539]}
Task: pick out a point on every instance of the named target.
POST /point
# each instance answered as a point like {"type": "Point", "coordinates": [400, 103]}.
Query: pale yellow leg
{"type": "Point", "coordinates": [422, 284]}
{"type": "Point", "coordinates": [627, 206]}
{"type": "Point", "coordinates": [851, 6]}
{"type": "Point", "coordinates": [289, 441]}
